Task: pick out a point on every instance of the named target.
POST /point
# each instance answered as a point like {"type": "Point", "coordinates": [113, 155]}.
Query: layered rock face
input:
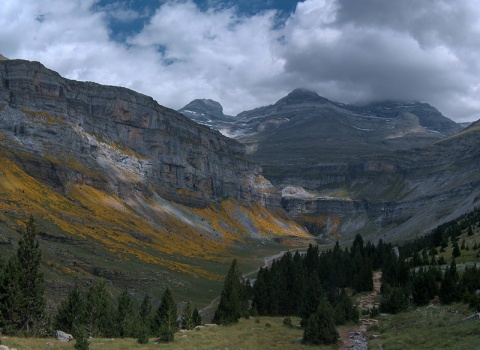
{"type": "Point", "coordinates": [136, 142]}
{"type": "Point", "coordinates": [398, 196]}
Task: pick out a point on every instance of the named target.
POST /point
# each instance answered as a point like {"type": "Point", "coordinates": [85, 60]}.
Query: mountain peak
{"type": "Point", "coordinates": [205, 111]}
{"type": "Point", "coordinates": [302, 96]}
{"type": "Point", "coordinates": [205, 105]}
{"type": "Point", "coordinates": [3, 58]}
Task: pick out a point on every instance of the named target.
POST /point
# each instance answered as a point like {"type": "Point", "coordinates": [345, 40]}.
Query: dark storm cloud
{"type": "Point", "coordinates": [247, 54]}
{"type": "Point", "coordinates": [373, 50]}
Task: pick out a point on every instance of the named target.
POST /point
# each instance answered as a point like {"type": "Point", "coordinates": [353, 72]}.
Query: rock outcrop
{"type": "Point", "coordinates": [62, 336]}
{"type": "Point", "coordinates": [409, 192]}
{"type": "Point", "coordinates": [138, 143]}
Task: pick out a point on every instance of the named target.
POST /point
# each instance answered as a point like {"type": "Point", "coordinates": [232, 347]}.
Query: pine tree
{"type": "Point", "coordinates": [145, 315]}
{"type": "Point", "coordinates": [125, 318]}
{"type": "Point", "coordinates": [197, 319]}
{"type": "Point", "coordinates": [30, 279]}
{"type": "Point", "coordinates": [100, 312]}
{"type": "Point", "coordinates": [314, 294]}
{"type": "Point", "coordinates": [456, 250]}
{"type": "Point", "coordinates": [260, 292]}
{"type": "Point", "coordinates": [232, 304]}
{"type": "Point", "coordinates": [449, 289]}
{"type": "Point", "coordinates": [10, 296]}
{"type": "Point", "coordinates": [320, 327]}
{"type": "Point", "coordinates": [72, 311]}
{"type": "Point", "coordinates": [81, 338]}
{"type": "Point", "coordinates": [470, 231]}
{"type": "Point", "coordinates": [187, 317]}
{"type": "Point", "coordinates": [166, 317]}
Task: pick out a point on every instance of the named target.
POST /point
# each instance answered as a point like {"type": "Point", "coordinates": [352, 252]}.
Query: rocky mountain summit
{"type": "Point", "coordinates": [389, 169]}
{"type": "Point", "coordinates": [329, 135]}
{"type": "Point", "coordinates": [207, 112]}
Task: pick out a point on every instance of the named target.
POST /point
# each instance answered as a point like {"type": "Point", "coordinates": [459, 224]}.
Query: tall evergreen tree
{"type": "Point", "coordinates": [30, 279]}
{"type": "Point", "coordinates": [71, 313]}
{"type": "Point", "coordinates": [100, 311]}
{"type": "Point", "coordinates": [145, 322]}
{"type": "Point", "coordinates": [314, 295]}
{"type": "Point", "coordinates": [232, 304]}
{"type": "Point", "coordinates": [320, 326]}
{"type": "Point", "coordinates": [197, 319]}
{"type": "Point", "coordinates": [166, 317]}
{"type": "Point", "coordinates": [145, 314]}
{"type": "Point", "coordinates": [126, 320]}
{"type": "Point", "coordinates": [187, 317]}
{"type": "Point", "coordinates": [449, 288]}
{"type": "Point", "coordinates": [10, 297]}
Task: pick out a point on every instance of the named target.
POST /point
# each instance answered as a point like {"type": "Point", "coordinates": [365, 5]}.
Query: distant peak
{"type": "Point", "coordinates": [3, 58]}
{"type": "Point", "coordinates": [301, 96]}
{"type": "Point", "coordinates": [205, 104]}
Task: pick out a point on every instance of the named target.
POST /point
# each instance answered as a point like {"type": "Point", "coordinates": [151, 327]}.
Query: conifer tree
{"type": "Point", "coordinates": [314, 294]}
{"type": "Point", "coordinates": [71, 313]}
{"type": "Point", "coordinates": [197, 319]}
{"type": "Point", "coordinates": [261, 298]}
{"type": "Point", "coordinates": [449, 291]}
{"type": "Point", "coordinates": [166, 317]}
{"type": "Point", "coordinates": [320, 326]}
{"type": "Point", "coordinates": [187, 317]}
{"type": "Point", "coordinates": [10, 297]}
{"type": "Point", "coordinates": [81, 338]}
{"type": "Point", "coordinates": [145, 324]}
{"type": "Point", "coordinates": [100, 311]}
{"type": "Point", "coordinates": [30, 279]}
{"type": "Point", "coordinates": [456, 250]}
{"type": "Point", "coordinates": [145, 314]}
{"type": "Point", "coordinates": [232, 304]}
{"type": "Point", "coordinates": [125, 318]}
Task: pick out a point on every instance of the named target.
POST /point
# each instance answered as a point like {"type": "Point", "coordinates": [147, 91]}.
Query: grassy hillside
{"type": "Point", "coordinates": [430, 327]}
{"type": "Point", "coordinates": [143, 244]}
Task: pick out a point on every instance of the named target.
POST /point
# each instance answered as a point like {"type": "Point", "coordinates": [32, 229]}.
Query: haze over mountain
{"type": "Point", "coordinates": [392, 168]}
{"type": "Point", "coordinates": [303, 132]}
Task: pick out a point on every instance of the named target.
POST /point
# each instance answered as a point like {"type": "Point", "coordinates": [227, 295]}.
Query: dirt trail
{"type": "Point", "coordinates": [356, 337]}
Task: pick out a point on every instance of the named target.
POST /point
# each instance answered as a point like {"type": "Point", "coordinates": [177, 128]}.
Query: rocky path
{"type": "Point", "coordinates": [356, 337]}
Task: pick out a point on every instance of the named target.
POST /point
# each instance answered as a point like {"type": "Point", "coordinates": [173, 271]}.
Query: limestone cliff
{"type": "Point", "coordinates": [123, 188]}
{"type": "Point", "coordinates": [122, 132]}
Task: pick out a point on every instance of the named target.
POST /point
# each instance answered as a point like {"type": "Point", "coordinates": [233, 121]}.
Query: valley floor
{"type": "Point", "coordinates": [255, 333]}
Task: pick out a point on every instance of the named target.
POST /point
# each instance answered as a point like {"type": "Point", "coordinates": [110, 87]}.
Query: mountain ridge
{"type": "Point", "coordinates": [120, 184]}
{"type": "Point", "coordinates": [378, 168]}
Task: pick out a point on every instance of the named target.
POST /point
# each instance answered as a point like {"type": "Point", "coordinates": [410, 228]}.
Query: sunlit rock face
{"type": "Point", "coordinates": [118, 138]}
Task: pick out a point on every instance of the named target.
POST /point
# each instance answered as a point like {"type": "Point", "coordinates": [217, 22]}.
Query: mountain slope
{"type": "Point", "coordinates": [387, 169]}
{"type": "Point", "coordinates": [305, 139]}
{"type": "Point", "coordinates": [119, 184]}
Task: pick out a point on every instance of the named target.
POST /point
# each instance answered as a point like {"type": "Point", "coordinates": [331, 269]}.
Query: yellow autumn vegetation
{"type": "Point", "coordinates": [159, 237]}
{"type": "Point", "coordinates": [43, 117]}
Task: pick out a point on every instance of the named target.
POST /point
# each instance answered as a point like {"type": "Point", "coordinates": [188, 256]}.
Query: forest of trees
{"type": "Point", "coordinates": [83, 313]}
{"type": "Point", "coordinates": [315, 286]}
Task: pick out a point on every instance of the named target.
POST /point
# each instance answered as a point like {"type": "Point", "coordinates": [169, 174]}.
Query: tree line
{"type": "Point", "coordinates": [83, 313]}
{"type": "Point", "coordinates": [312, 286]}
{"type": "Point", "coordinates": [315, 286]}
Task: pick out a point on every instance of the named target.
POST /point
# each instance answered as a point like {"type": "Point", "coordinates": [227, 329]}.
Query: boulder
{"type": "Point", "coordinates": [62, 336]}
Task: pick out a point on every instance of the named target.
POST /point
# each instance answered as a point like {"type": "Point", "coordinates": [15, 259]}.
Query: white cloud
{"type": "Point", "coordinates": [415, 49]}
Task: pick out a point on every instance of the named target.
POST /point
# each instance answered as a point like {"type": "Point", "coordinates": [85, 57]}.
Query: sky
{"type": "Point", "coordinates": [250, 53]}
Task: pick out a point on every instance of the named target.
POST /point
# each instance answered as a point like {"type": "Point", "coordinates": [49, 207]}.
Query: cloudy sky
{"type": "Point", "coordinates": [250, 53]}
